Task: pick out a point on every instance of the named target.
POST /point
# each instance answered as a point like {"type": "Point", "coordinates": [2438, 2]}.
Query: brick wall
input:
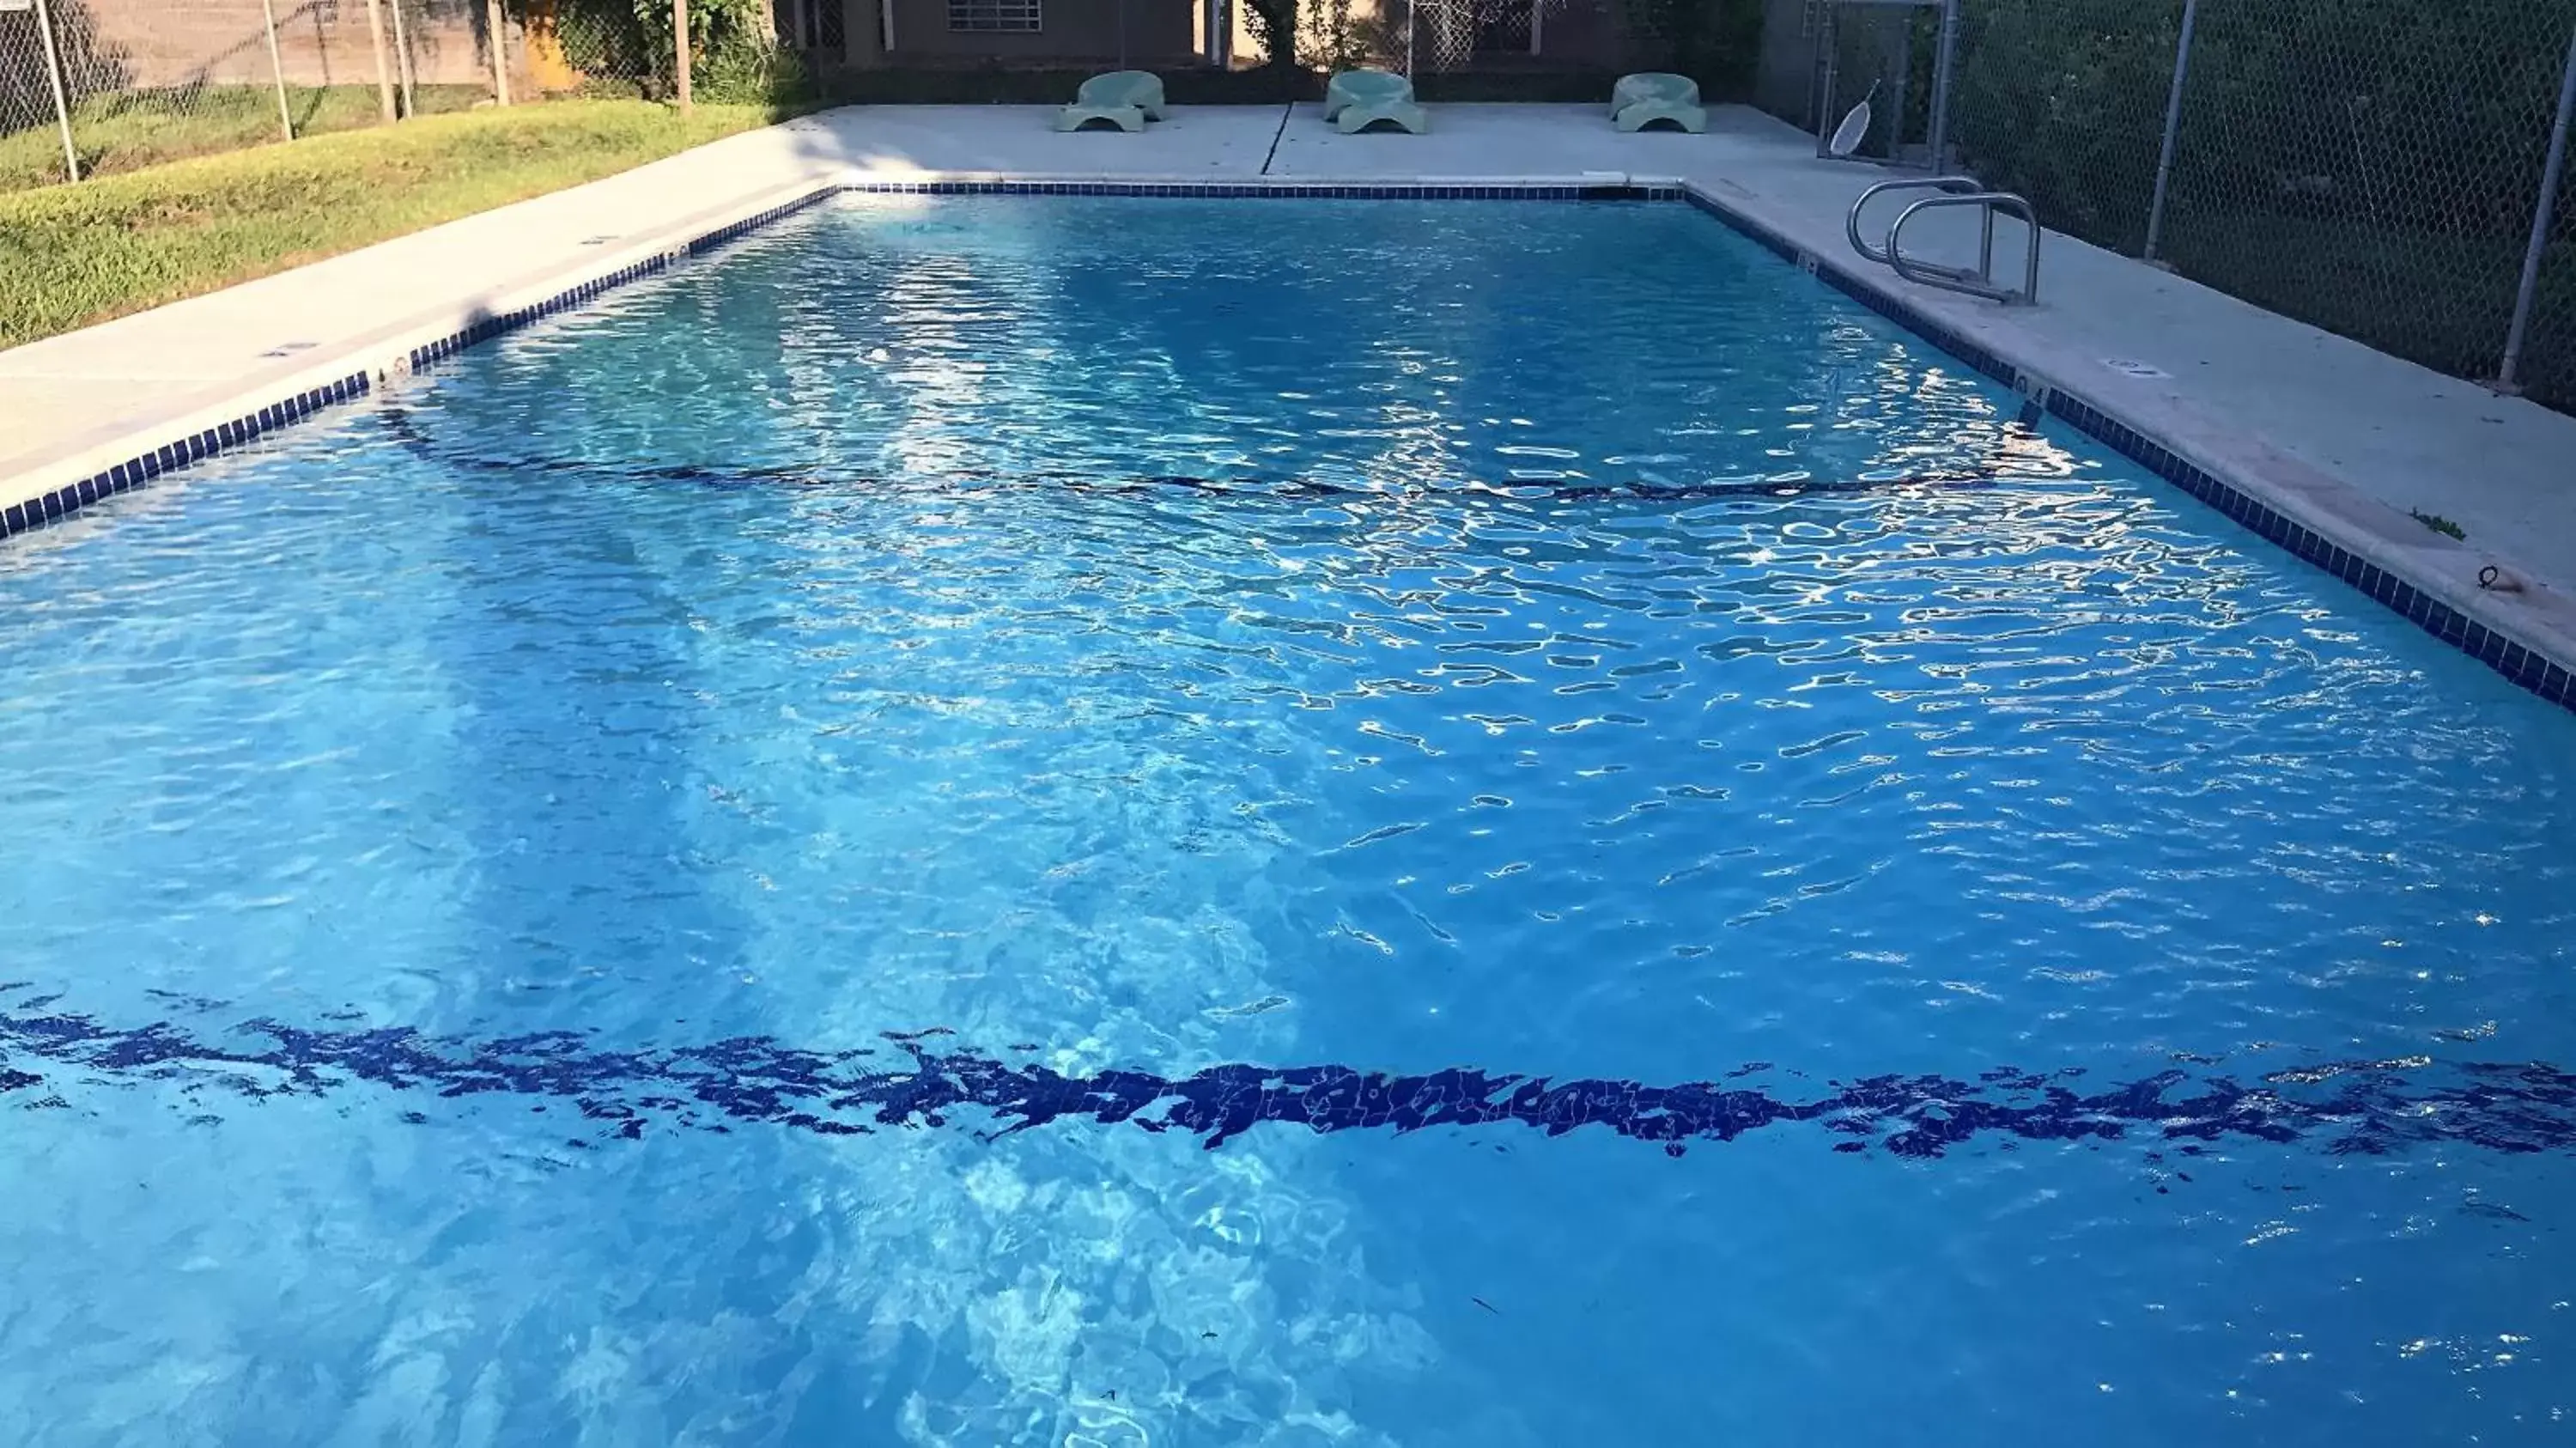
{"type": "Point", "coordinates": [1148, 31]}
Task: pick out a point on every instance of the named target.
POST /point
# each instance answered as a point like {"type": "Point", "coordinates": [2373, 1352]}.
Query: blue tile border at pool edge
{"type": "Point", "coordinates": [2520, 666]}
{"type": "Point", "coordinates": [2528, 670]}
{"type": "Point", "coordinates": [168, 457]}
{"type": "Point", "coordinates": [485, 328]}
{"type": "Point", "coordinates": [178, 453]}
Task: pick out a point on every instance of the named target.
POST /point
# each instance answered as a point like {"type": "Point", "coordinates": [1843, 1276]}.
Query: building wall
{"type": "Point", "coordinates": [1572, 33]}
{"type": "Point", "coordinates": [1585, 33]}
{"type": "Point", "coordinates": [860, 33]}
{"type": "Point", "coordinates": [1154, 30]}
{"type": "Point", "coordinates": [1784, 83]}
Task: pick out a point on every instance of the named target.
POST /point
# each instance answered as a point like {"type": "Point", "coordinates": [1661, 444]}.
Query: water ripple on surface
{"type": "Point", "coordinates": [1197, 640]}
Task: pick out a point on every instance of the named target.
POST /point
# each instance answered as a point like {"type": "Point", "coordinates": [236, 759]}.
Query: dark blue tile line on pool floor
{"type": "Point", "coordinates": [2529, 670]}
{"type": "Point", "coordinates": [2524, 668]}
{"type": "Point", "coordinates": [2369, 1107]}
{"type": "Point", "coordinates": [170, 457]}
{"type": "Point", "coordinates": [409, 434]}
{"type": "Point", "coordinates": [180, 452]}
{"type": "Point", "coordinates": [489, 327]}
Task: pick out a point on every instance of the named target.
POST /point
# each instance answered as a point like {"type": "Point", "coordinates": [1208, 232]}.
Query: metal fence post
{"type": "Point", "coordinates": [500, 53]}
{"type": "Point", "coordinates": [1900, 81]}
{"type": "Point", "coordinates": [54, 75]}
{"type": "Point", "coordinates": [277, 68]}
{"type": "Point", "coordinates": [402, 59]}
{"type": "Point", "coordinates": [384, 78]}
{"type": "Point", "coordinates": [2173, 128]}
{"type": "Point", "coordinates": [680, 44]}
{"type": "Point", "coordinates": [2542, 214]}
{"type": "Point", "coordinates": [1944, 63]}
{"type": "Point", "coordinates": [1830, 81]}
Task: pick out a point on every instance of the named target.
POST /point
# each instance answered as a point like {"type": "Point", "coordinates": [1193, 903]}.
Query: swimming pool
{"type": "Point", "coordinates": [1089, 821]}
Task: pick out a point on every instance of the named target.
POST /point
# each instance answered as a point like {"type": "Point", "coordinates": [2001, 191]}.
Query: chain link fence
{"type": "Point", "coordinates": [2373, 167]}
{"type": "Point", "coordinates": [2547, 364]}
{"type": "Point", "coordinates": [2068, 98]}
{"type": "Point", "coordinates": [1452, 35]}
{"type": "Point", "coordinates": [1418, 37]}
{"type": "Point", "coordinates": [144, 81]}
{"type": "Point", "coordinates": [1886, 56]}
{"type": "Point", "coordinates": [95, 86]}
{"type": "Point", "coordinates": [739, 49]}
{"type": "Point", "coordinates": [1453, 38]}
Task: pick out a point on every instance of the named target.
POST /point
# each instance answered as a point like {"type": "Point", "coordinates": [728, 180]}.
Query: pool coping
{"type": "Point", "coordinates": [2529, 637]}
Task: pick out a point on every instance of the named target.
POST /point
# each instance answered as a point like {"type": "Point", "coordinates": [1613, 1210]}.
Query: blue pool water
{"type": "Point", "coordinates": [1090, 822]}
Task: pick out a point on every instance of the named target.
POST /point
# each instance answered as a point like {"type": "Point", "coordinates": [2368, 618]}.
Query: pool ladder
{"type": "Point", "coordinates": [1976, 281]}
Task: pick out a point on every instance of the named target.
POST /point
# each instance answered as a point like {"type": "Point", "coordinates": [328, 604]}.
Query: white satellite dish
{"type": "Point", "coordinates": [1855, 127]}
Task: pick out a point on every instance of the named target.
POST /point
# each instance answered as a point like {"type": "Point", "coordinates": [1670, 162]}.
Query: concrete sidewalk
{"type": "Point", "coordinates": [2324, 425]}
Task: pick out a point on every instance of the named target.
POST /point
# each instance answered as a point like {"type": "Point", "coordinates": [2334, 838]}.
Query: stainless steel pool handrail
{"type": "Point", "coordinates": [1851, 223]}
{"type": "Point", "coordinates": [1979, 282]}
{"type": "Point", "coordinates": [1976, 281]}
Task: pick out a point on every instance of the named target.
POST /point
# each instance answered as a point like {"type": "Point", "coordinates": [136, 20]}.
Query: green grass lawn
{"type": "Point", "coordinates": [73, 255]}
{"type": "Point", "coordinates": [129, 130]}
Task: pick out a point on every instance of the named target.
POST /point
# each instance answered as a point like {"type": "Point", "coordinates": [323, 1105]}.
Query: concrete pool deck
{"type": "Point", "coordinates": [2343, 439]}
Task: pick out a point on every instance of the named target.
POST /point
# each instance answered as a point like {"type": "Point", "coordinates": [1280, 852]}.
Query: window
{"type": "Point", "coordinates": [993, 15]}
